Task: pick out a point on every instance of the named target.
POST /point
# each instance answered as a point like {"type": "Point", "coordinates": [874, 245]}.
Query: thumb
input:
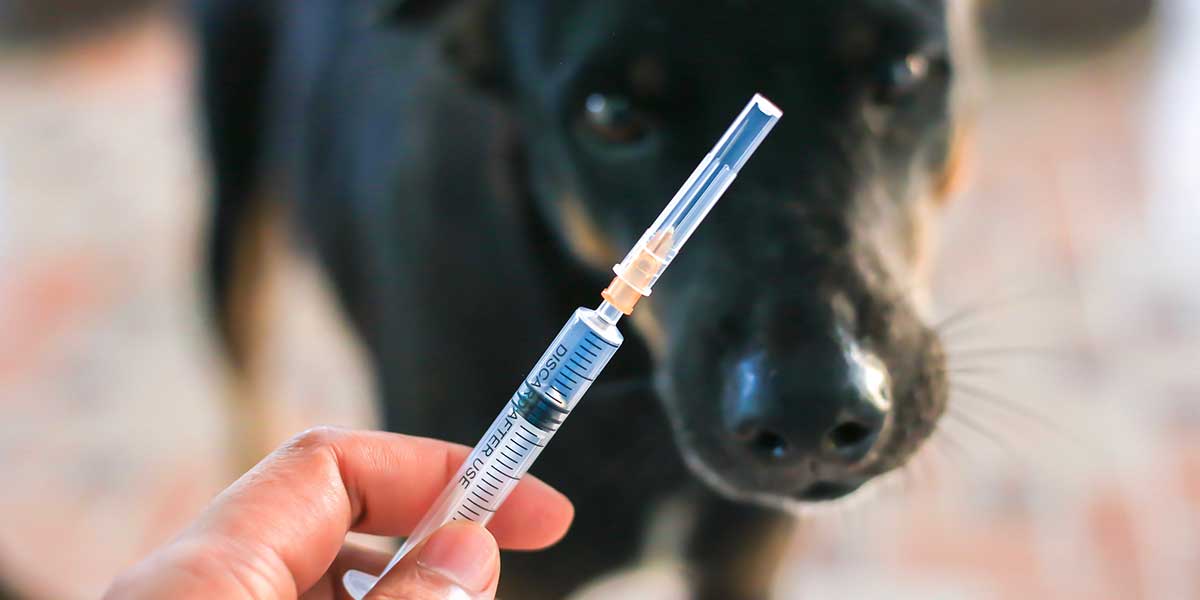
{"type": "Point", "coordinates": [460, 561]}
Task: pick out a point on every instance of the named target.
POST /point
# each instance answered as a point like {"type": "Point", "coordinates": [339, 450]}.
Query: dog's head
{"type": "Point", "coordinates": [791, 356]}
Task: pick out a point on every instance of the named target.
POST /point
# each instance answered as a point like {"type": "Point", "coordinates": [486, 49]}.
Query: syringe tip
{"type": "Point", "coordinates": [747, 132]}
{"type": "Point", "coordinates": [766, 106]}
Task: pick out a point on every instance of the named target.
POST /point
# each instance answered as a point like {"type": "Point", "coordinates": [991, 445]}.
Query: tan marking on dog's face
{"type": "Point", "coordinates": [953, 179]}
{"type": "Point", "coordinates": [967, 55]}
{"type": "Point", "coordinates": [585, 239]}
{"type": "Point", "coordinates": [924, 242]}
{"type": "Point", "coordinates": [645, 320]}
{"type": "Point", "coordinates": [591, 246]}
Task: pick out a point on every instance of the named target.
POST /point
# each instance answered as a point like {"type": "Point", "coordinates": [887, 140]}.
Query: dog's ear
{"type": "Point", "coordinates": [468, 28]}
{"type": "Point", "coordinates": [471, 43]}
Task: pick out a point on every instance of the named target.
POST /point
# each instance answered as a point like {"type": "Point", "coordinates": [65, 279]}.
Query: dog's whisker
{"type": "Point", "coordinates": [981, 430]}
{"type": "Point", "coordinates": [955, 356]}
{"type": "Point", "coordinates": [967, 370]}
{"type": "Point", "coordinates": [922, 467]}
{"type": "Point", "coordinates": [957, 320]}
{"type": "Point", "coordinates": [936, 448]}
{"type": "Point", "coordinates": [970, 313]}
{"type": "Point", "coordinates": [910, 476]}
{"type": "Point", "coordinates": [927, 466]}
{"type": "Point", "coordinates": [951, 454]}
{"type": "Point", "coordinates": [952, 444]}
{"type": "Point", "coordinates": [974, 392]}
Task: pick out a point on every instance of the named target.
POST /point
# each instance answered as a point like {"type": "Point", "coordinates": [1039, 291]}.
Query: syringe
{"type": "Point", "coordinates": [583, 347]}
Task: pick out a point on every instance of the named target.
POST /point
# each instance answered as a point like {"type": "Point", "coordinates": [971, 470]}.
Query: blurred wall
{"type": "Point", "coordinates": [1041, 27]}
{"type": "Point", "coordinates": [40, 19]}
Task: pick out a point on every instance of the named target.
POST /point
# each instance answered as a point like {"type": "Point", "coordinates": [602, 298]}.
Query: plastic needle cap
{"type": "Point", "coordinates": [657, 247]}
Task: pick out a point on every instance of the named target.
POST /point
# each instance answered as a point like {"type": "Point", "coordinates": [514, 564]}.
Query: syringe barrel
{"type": "Point", "coordinates": [515, 439]}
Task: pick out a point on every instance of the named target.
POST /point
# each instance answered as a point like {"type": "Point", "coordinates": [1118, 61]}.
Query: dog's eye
{"type": "Point", "coordinates": [614, 119]}
{"type": "Point", "coordinates": [904, 77]}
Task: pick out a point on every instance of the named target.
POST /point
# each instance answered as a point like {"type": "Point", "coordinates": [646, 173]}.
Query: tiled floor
{"type": "Point", "coordinates": [1070, 469]}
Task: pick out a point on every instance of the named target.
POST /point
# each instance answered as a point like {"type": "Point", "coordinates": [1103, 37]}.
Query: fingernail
{"type": "Point", "coordinates": [464, 553]}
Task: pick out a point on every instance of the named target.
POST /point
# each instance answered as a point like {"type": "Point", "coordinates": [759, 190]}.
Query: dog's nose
{"type": "Point", "coordinates": [788, 410]}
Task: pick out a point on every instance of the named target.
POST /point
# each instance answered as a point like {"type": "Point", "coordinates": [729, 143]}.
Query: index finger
{"type": "Point", "coordinates": [296, 506]}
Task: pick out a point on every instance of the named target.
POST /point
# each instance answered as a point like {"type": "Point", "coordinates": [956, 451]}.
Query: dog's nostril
{"type": "Point", "coordinates": [827, 490]}
{"type": "Point", "coordinates": [849, 434]}
{"type": "Point", "coordinates": [851, 440]}
{"type": "Point", "coordinates": [769, 443]}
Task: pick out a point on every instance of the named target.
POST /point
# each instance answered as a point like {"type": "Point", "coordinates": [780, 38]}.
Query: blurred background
{"type": "Point", "coordinates": [1068, 467]}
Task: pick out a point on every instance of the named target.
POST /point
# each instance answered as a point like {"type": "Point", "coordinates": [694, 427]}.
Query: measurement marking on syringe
{"type": "Point", "coordinates": [602, 340]}
{"type": "Point", "coordinates": [532, 442]}
{"type": "Point", "coordinates": [512, 458]}
{"type": "Point", "coordinates": [522, 438]}
{"type": "Point", "coordinates": [493, 485]}
{"type": "Point", "coordinates": [468, 509]}
{"type": "Point", "coordinates": [569, 378]}
{"type": "Point", "coordinates": [563, 384]}
{"type": "Point", "coordinates": [533, 435]}
{"type": "Point", "coordinates": [505, 463]}
{"type": "Point", "coordinates": [523, 447]}
{"type": "Point", "coordinates": [594, 344]}
{"type": "Point", "coordinates": [568, 367]}
{"type": "Point", "coordinates": [594, 355]}
{"type": "Point", "coordinates": [477, 495]}
{"type": "Point", "coordinates": [476, 505]}
{"type": "Point", "coordinates": [503, 473]}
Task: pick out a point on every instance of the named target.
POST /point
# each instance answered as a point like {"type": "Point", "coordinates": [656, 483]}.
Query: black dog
{"type": "Point", "coordinates": [469, 171]}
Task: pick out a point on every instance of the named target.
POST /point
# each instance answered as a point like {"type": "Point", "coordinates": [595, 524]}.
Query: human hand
{"type": "Point", "coordinates": [278, 531]}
